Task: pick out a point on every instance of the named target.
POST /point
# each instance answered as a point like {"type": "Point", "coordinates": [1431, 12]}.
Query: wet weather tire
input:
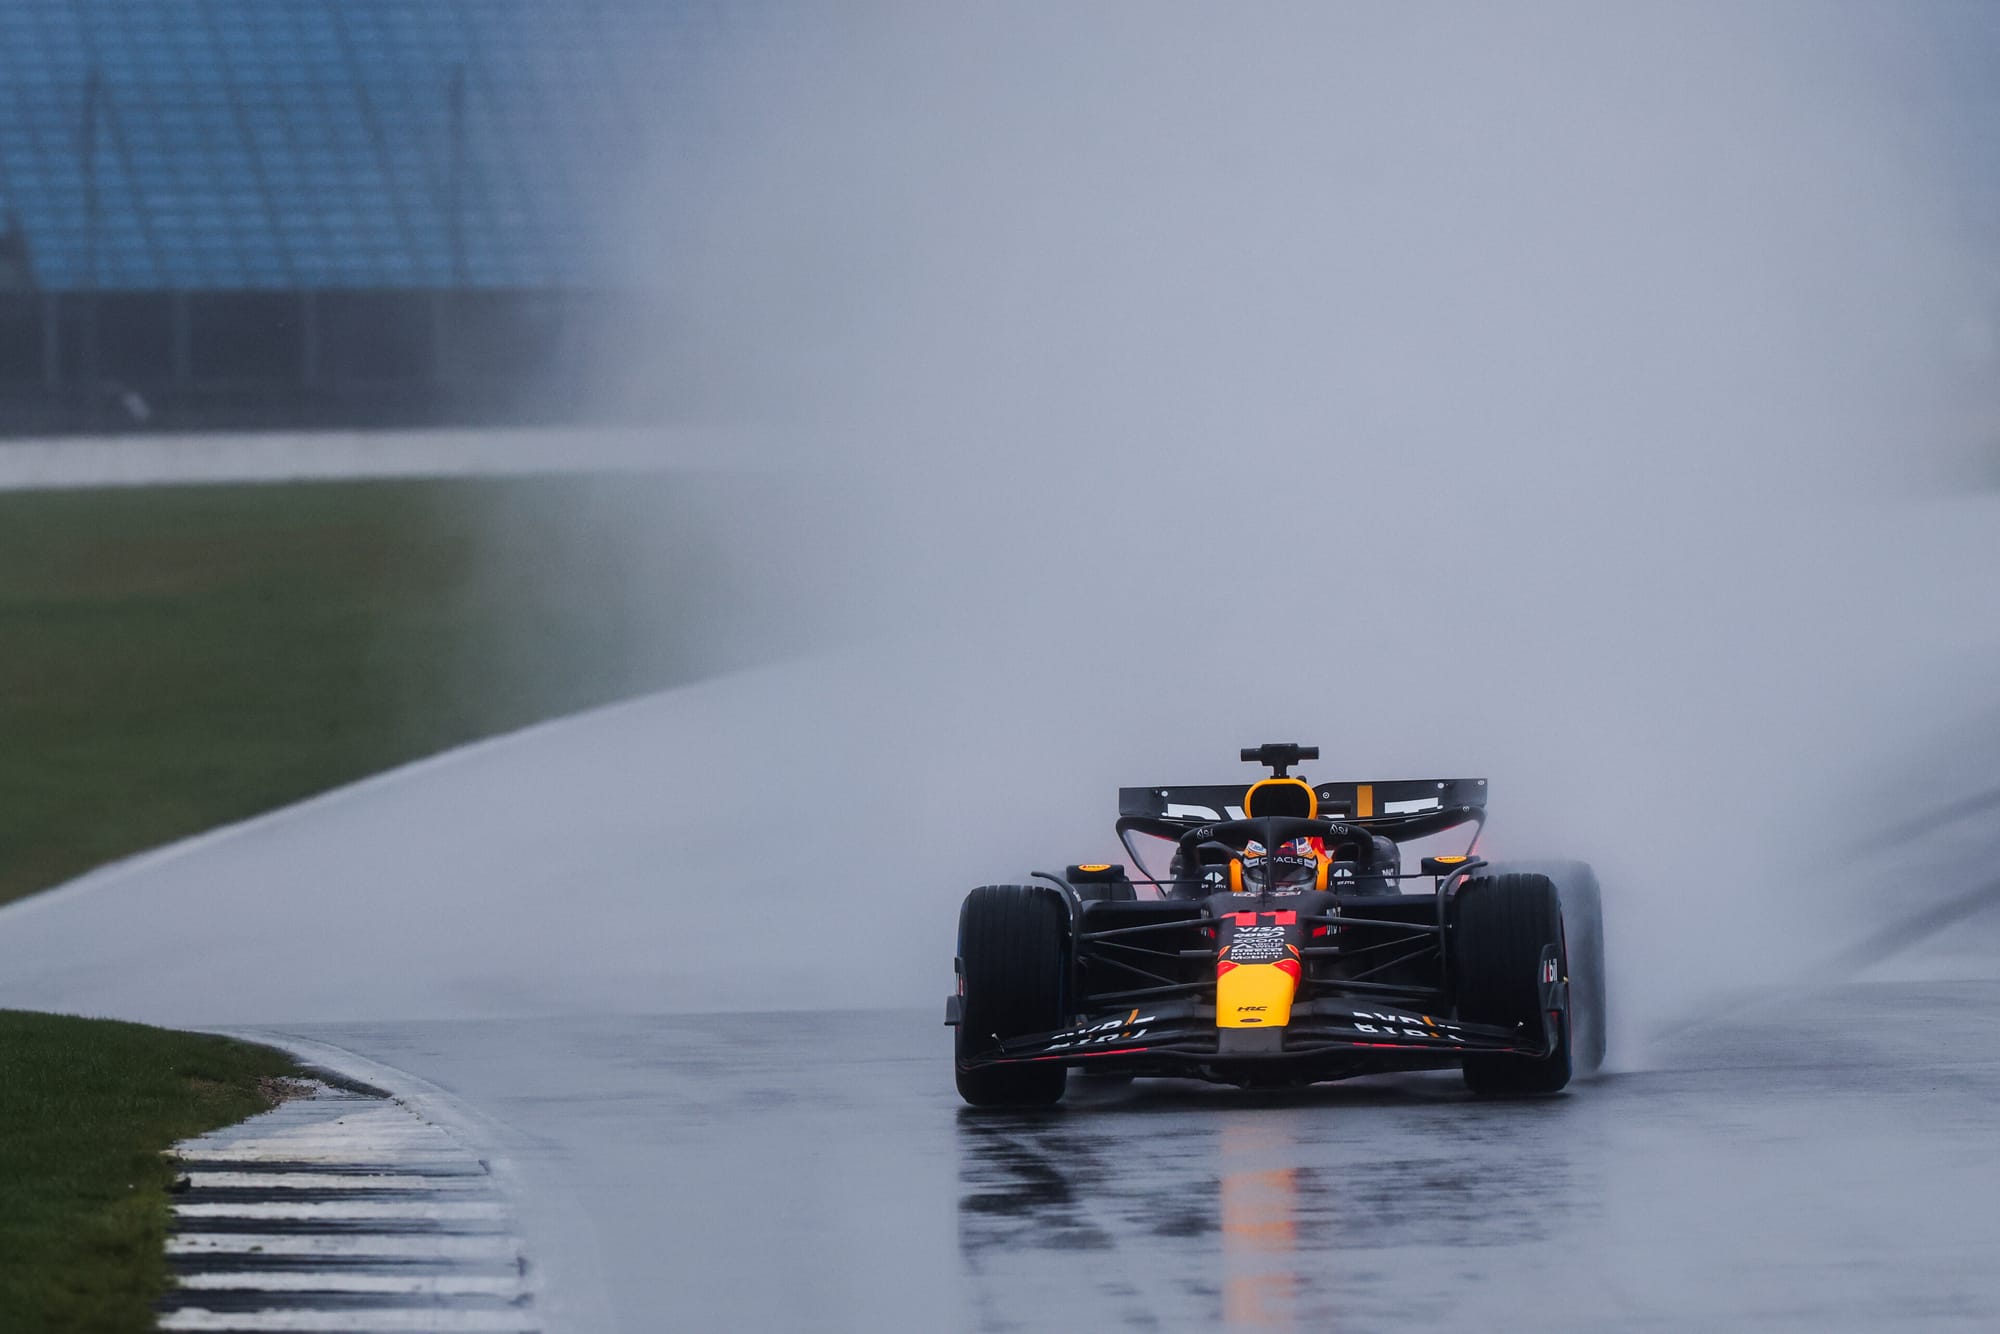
{"type": "Point", "coordinates": [1502, 924]}
{"type": "Point", "coordinates": [1014, 960]}
{"type": "Point", "coordinates": [1583, 943]}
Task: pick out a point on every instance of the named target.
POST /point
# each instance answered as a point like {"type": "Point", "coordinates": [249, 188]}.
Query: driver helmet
{"type": "Point", "coordinates": [1293, 864]}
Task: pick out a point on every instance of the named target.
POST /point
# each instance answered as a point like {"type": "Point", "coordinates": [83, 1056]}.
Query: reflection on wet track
{"type": "Point", "coordinates": [1261, 1210]}
{"type": "Point", "coordinates": [1827, 1162]}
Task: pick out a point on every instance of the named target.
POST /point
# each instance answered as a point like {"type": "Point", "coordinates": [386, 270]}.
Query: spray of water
{"type": "Point", "coordinates": [1560, 393]}
{"type": "Point", "coordinates": [1545, 392]}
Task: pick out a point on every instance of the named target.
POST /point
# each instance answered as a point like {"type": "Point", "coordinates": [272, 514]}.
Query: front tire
{"type": "Point", "coordinates": [1583, 942]}
{"type": "Point", "coordinates": [1502, 927]}
{"type": "Point", "coordinates": [1014, 962]}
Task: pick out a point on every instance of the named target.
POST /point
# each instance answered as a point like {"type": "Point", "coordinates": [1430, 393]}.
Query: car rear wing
{"type": "Point", "coordinates": [1400, 808]}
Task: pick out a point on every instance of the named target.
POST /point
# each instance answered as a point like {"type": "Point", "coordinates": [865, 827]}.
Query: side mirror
{"type": "Point", "coordinates": [1442, 865]}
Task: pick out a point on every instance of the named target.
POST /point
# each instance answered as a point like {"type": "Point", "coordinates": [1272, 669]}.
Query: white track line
{"type": "Point", "coordinates": [430, 1211]}
{"type": "Point", "coordinates": [389, 1136]}
{"type": "Point", "coordinates": [352, 1145]}
{"type": "Point", "coordinates": [183, 459]}
{"type": "Point", "coordinates": [362, 1246]}
{"type": "Point", "coordinates": [328, 1181]}
{"type": "Point", "coordinates": [415, 1321]}
{"type": "Point", "coordinates": [329, 1154]}
{"type": "Point", "coordinates": [400, 1285]}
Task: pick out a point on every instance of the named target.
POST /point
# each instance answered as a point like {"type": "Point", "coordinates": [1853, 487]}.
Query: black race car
{"type": "Point", "coordinates": [1283, 945]}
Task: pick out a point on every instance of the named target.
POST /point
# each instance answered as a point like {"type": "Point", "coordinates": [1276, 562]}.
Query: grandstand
{"type": "Point", "coordinates": [271, 211]}
{"type": "Point", "coordinates": [297, 212]}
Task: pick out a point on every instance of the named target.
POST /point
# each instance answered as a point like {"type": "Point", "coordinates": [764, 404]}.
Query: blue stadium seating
{"type": "Point", "coordinates": [242, 145]}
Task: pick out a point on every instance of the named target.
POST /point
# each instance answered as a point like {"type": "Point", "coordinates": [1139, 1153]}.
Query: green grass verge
{"type": "Point", "coordinates": [86, 1107]}
{"type": "Point", "coordinates": [172, 659]}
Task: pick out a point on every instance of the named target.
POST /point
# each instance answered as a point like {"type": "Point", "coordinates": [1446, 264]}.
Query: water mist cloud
{"type": "Point", "coordinates": [1558, 393]}
{"type": "Point", "coordinates": [1529, 390]}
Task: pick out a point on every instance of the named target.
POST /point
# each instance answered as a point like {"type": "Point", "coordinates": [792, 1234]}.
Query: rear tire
{"type": "Point", "coordinates": [1014, 961]}
{"type": "Point", "coordinates": [1502, 924]}
{"type": "Point", "coordinates": [1106, 891]}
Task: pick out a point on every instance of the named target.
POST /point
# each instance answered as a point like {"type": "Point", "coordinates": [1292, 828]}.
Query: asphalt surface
{"type": "Point", "coordinates": [1823, 1160]}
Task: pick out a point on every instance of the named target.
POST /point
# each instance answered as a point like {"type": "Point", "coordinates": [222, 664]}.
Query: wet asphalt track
{"type": "Point", "coordinates": [1825, 1162]}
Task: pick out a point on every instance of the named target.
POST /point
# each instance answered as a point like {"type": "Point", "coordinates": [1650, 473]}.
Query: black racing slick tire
{"type": "Point", "coordinates": [1014, 963]}
{"type": "Point", "coordinates": [1502, 927]}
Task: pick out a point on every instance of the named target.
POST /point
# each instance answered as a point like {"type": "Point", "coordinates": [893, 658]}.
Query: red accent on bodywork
{"type": "Point", "coordinates": [1245, 918]}
{"type": "Point", "coordinates": [1289, 966]}
{"type": "Point", "coordinates": [1286, 918]}
{"type": "Point", "coordinates": [1222, 966]}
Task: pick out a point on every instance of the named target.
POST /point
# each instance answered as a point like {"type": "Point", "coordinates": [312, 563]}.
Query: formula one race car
{"type": "Point", "coordinates": [1281, 947]}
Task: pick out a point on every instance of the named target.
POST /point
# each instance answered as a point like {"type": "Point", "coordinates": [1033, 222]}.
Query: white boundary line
{"type": "Point", "coordinates": [252, 458]}
{"type": "Point", "coordinates": [417, 1320]}
{"type": "Point", "coordinates": [336, 1281]}
{"type": "Point", "coordinates": [501, 1246]}
{"type": "Point", "coordinates": [348, 1211]}
{"type": "Point", "coordinates": [112, 873]}
{"type": "Point", "coordinates": [373, 1181]}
